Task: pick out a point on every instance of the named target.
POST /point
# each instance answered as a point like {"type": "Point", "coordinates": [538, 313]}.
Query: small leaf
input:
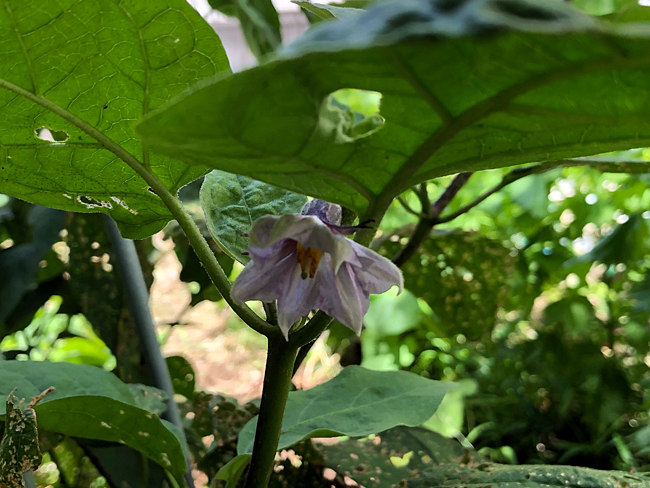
{"type": "Point", "coordinates": [259, 22]}
{"type": "Point", "coordinates": [183, 376]}
{"type": "Point", "coordinates": [499, 476]}
{"type": "Point", "coordinates": [355, 403]}
{"type": "Point", "coordinates": [19, 449]}
{"type": "Point", "coordinates": [327, 12]}
{"type": "Point", "coordinates": [232, 471]}
{"type": "Point", "coordinates": [232, 203]}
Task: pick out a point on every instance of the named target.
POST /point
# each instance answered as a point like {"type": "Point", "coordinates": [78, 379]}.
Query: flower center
{"type": "Point", "coordinates": [308, 259]}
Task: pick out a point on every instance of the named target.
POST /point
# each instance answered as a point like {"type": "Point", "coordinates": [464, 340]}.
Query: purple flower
{"type": "Point", "coordinates": [305, 263]}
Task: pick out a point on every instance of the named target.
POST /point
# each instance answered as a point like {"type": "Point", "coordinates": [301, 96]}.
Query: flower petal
{"type": "Point", "coordinates": [299, 297]}
{"type": "Point", "coordinates": [376, 273]}
{"type": "Point", "coordinates": [265, 277]}
{"type": "Point", "coordinates": [344, 298]}
{"type": "Point", "coordinates": [308, 230]}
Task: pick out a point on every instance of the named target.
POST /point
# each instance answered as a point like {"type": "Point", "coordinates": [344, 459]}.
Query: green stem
{"type": "Point", "coordinates": [176, 208]}
{"type": "Point", "coordinates": [277, 383]}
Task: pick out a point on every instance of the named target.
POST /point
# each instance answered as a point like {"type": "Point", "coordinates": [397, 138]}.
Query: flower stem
{"type": "Point", "coordinates": [277, 383]}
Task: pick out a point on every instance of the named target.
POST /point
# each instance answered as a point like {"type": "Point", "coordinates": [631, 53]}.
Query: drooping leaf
{"type": "Point", "coordinates": [231, 472]}
{"type": "Point", "coordinates": [463, 277]}
{"type": "Point", "coordinates": [327, 12]}
{"type": "Point", "coordinates": [19, 449]}
{"type": "Point", "coordinates": [384, 460]}
{"type": "Point", "coordinates": [232, 203]}
{"type": "Point", "coordinates": [91, 403]}
{"type": "Point", "coordinates": [355, 403]}
{"type": "Point", "coordinates": [463, 83]}
{"type": "Point", "coordinates": [74, 76]}
{"type": "Point", "coordinates": [259, 22]}
{"type": "Point", "coordinates": [498, 476]}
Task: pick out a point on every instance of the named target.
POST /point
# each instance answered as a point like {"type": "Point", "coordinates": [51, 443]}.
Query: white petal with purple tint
{"type": "Point", "coordinates": [346, 275]}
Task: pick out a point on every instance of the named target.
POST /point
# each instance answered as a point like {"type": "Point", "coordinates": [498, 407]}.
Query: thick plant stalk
{"type": "Point", "coordinates": [277, 383]}
{"type": "Point", "coordinates": [138, 296]}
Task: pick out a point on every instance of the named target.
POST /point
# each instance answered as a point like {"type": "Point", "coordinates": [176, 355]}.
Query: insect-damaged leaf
{"type": "Point", "coordinates": [466, 85]}
{"type": "Point", "coordinates": [73, 78]}
{"type": "Point", "coordinates": [19, 450]}
{"type": "Point", "coordinates": [91, 403]}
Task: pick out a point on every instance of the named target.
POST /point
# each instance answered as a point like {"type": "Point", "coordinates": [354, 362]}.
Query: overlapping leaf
{"type": "Point", "coordinates": [232, 203]}
{"type": "Point", "coordinates": [466, 86]}
{"type": "Point", "coordinates": [73, 79]}
{"type": "Point", "coordinates": [91, 403]}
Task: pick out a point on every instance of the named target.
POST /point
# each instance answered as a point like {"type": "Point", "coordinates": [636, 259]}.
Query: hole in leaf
{"type": "Point", "coordinates": [351, 114]}
{"type": "Point", "coordinates": [51, 135]}
{"type": "Point", "coordinates": [91, 202]}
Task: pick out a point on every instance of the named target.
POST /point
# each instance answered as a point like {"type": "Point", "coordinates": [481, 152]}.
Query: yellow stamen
{"type": "Point", "coordinates": [308, 259]}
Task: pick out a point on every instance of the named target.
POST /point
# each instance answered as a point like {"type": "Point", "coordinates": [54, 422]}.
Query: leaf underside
{"type": "Point", "coordinates": [72, 67]}
{"type": "Point", "coordinates": [357, 402]}
{"type": "Point", "coordinates": [466, 86]}
{"type": "Point", "coordinates": [91, 403]}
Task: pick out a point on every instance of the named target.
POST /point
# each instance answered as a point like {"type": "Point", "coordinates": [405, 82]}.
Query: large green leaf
{"type": "Point", "coordinates": [466, 86]}
{"type": "Point", "coordinates": [232, 203]}
{"type": "Point", "coordinates": [73, 78]}
{"type": "Point", "coordinates": [497, 476]}
{"type": "Point", "coordinates": [91, 403]}
{"type": "Point", "coordinates": [355, 403]}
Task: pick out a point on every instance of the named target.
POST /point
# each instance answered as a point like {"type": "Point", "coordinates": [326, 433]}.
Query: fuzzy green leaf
{"type": "Point", "coordinates": [73, 78]}
{"type": "Point", "coordinates": [466, 86]}
{"type": "Point", "coordinates": [232, 203]}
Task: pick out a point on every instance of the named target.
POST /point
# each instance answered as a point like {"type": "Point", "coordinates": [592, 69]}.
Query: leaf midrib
{"type": "Point", "coordinates": [481, 110]}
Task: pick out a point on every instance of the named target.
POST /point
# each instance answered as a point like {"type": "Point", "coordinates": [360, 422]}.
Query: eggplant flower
{"type": "Point", "coordinates": [305, 263]}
